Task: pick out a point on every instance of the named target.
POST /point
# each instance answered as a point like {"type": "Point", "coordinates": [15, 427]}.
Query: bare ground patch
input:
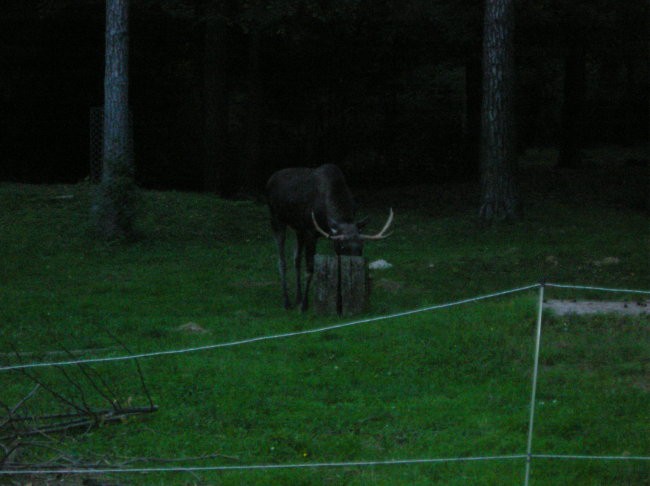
{"type": "Point", "coordinates": [582, 307]}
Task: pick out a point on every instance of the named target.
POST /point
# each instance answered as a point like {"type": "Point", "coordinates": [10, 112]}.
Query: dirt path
{"type": "Point", "coordinates": [565, 307]}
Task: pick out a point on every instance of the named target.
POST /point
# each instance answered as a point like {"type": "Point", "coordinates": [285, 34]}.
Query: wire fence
{"type": "Point", "coordinates": [269, 337]}
{"type": "Point", "coordinates": [318, 465]}
{"type": "Point", "coordinates": [528, 456]}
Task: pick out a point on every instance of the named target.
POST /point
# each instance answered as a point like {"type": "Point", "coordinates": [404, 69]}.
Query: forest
{"type": "Point", "coordinates": [223, 93]}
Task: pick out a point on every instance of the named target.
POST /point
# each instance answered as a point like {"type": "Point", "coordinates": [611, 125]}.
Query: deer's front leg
{"type": "Point", "coordinates": [310, 251]}
{"type": "Point", "coordinates": [297, 259]}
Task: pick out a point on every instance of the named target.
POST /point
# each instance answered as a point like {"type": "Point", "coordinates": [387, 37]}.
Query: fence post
{"type": "Point", "coordinates": [538, 338]}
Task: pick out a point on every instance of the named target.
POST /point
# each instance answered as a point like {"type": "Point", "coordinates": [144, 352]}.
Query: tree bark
{"type": "Point", "coordinates": [327, 295]}
{"type": "Point", "coordinates": [632, 94]}
{"type": "Point", "coordinates": [217, 166]}
{"type": "Point", "coordinates": [341, 285]}
{"type": "Point", "coordinates": [115, 205]}
{"type": "Point", "coordinates": [472, 135]}
{"type": "Point", "coordinates": [498, 147]}
{"type": "Point", "coordinates": [572, 106]}
{"type": "Point", "coordinates": [250, 176]}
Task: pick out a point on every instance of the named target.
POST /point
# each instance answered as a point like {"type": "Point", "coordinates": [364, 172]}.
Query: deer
{"type": "Point", "coordinates": [315, 203]}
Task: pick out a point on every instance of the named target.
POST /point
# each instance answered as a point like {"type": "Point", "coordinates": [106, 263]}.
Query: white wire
{"type": "Point", "coordinates": [533, 393]}
{"type": "Point", "coordinates": [599, 458]}
{"type": "Point", "coordinates": [527, 456]}
{"type": "Point", "coordinates": [305, 465]}
{"type": "Point", "coordinates": [603, 289]}
{"type": "Point", "coordinates": [265, 338]}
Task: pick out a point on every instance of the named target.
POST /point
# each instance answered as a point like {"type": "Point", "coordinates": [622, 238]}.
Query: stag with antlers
{"type": "Point", "coordinates": [314, 203]}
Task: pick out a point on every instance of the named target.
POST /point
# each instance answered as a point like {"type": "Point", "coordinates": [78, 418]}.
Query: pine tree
{"type": "Point", "coordinates": [498, 146]}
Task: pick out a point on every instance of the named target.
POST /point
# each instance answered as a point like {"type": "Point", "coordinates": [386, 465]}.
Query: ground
{"type": "Point", "coordinates": [581, 307]}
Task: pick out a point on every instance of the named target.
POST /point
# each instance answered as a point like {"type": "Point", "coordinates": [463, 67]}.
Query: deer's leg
{"type": "Point", "coordinates": [297, 259]}
{"type": "Point", "coordinates": [310, 251]}
{"type": "Point", "coordinates": [279, 233]}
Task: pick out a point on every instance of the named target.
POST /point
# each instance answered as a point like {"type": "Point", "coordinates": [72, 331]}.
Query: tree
{"type": "Point", "coordinates": [218, 169]}
{"type": "Point", "coordinates": [472, 132]}
{"type": "Point", "coordinates": [576, 15]}
{"type": "Point", "coordinates": [264, 21]}
{"type": "Point", "coordinates": [251, 166]}
{"type": "Point", "coordinates": [115, 204]}
{"type": "Point", "coordinates": [572, 106]}
{"type": "Point", "coordinates": [498, 147]}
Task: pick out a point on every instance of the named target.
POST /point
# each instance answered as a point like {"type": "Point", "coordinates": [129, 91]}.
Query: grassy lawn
{"type": "Point", "coordinates": [450, 383]}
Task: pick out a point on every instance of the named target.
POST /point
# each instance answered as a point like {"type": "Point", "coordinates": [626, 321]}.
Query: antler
{"type": "Point", "coordinates": [323, 232]}
{"type": "Point", "coordinates": [381, 235]}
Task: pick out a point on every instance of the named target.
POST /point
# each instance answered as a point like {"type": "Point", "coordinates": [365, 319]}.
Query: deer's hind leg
{"type": "Point", "coordinates": [280, 235]}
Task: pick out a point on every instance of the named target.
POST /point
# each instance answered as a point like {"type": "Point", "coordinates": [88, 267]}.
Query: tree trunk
{"type": "Point", "coordinates": [472, 135]}
{"type": "Point", "coordinates": [498, 148]}
{"type": "Point", "coordinates": [341, 285]}
{"type": "Point", "coordinates": [632, 95]}
{"type": "Point", "coordinates": [217, 166]}
{"type": "Point", "coordinates": [572, 106]}
{"type": "Point", "coordinates": [327, 291]}
{"type": "Point", "coordinates": [388, 134]}
{"type": "Point", "coordinates": [115, 204]}
{"type": "Point", "coordinates": [250, 176]}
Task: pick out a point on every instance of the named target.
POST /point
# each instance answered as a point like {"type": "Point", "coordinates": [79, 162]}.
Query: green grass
{"type": "Point", "coordinates": [455, 382]}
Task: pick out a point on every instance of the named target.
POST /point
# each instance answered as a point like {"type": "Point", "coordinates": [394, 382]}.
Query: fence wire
{"type": "Point", "coordinates": [528, 456]}
{"type": "Point", "coordinates": [309, 465]}
{"type": "Point", "coordinates": [599, 289]}
{"type": "Point", "coordinates": [258, 467]}
{"type": "Point", "coordinates": [266, 338]}
{"type": "Point", "coordinates": [592, 458]}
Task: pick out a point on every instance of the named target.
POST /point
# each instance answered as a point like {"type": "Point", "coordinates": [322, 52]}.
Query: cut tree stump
{"type": "Point", "coordinates": [341, 285]}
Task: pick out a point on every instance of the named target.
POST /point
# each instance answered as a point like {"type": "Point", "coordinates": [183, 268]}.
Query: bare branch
{"type": "Point", "coordinates": [82, 394]}
{"type": "Point", "coordinates": [17, 422]}
{"type": "Point", "coordinates": [137, 366]}
{"type": "Point", "coordinates": [11, 411]}
{"type": "Point", "coordinates": [86, 370]}
{"type": "Point", "coordinates": [59, 352]}
{"type": "Point", "coordinates": [83, 420]}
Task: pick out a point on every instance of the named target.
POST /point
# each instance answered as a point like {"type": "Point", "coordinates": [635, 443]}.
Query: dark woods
{"type": "Point", "coordinates": [223, 93]}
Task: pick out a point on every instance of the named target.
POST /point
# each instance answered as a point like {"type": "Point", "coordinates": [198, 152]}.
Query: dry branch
{"type": "Point", "coordinates": [76, 392]}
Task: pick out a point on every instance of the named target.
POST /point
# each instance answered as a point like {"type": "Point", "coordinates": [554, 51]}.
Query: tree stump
{"type": "Point", "coordinates": [341, 285]}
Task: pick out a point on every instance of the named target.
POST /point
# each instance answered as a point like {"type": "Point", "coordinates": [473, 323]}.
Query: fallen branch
{"type": "Point", "coordinates": [64, 461]}
{"type": "Point", "coordinates": [78, 391]}
{"type": "Point", "coordinates": [11, 411]}
{"type": "Point", "coordinates": [94, 419]}
{"type": "Point", "coordinates": [59, 352]}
